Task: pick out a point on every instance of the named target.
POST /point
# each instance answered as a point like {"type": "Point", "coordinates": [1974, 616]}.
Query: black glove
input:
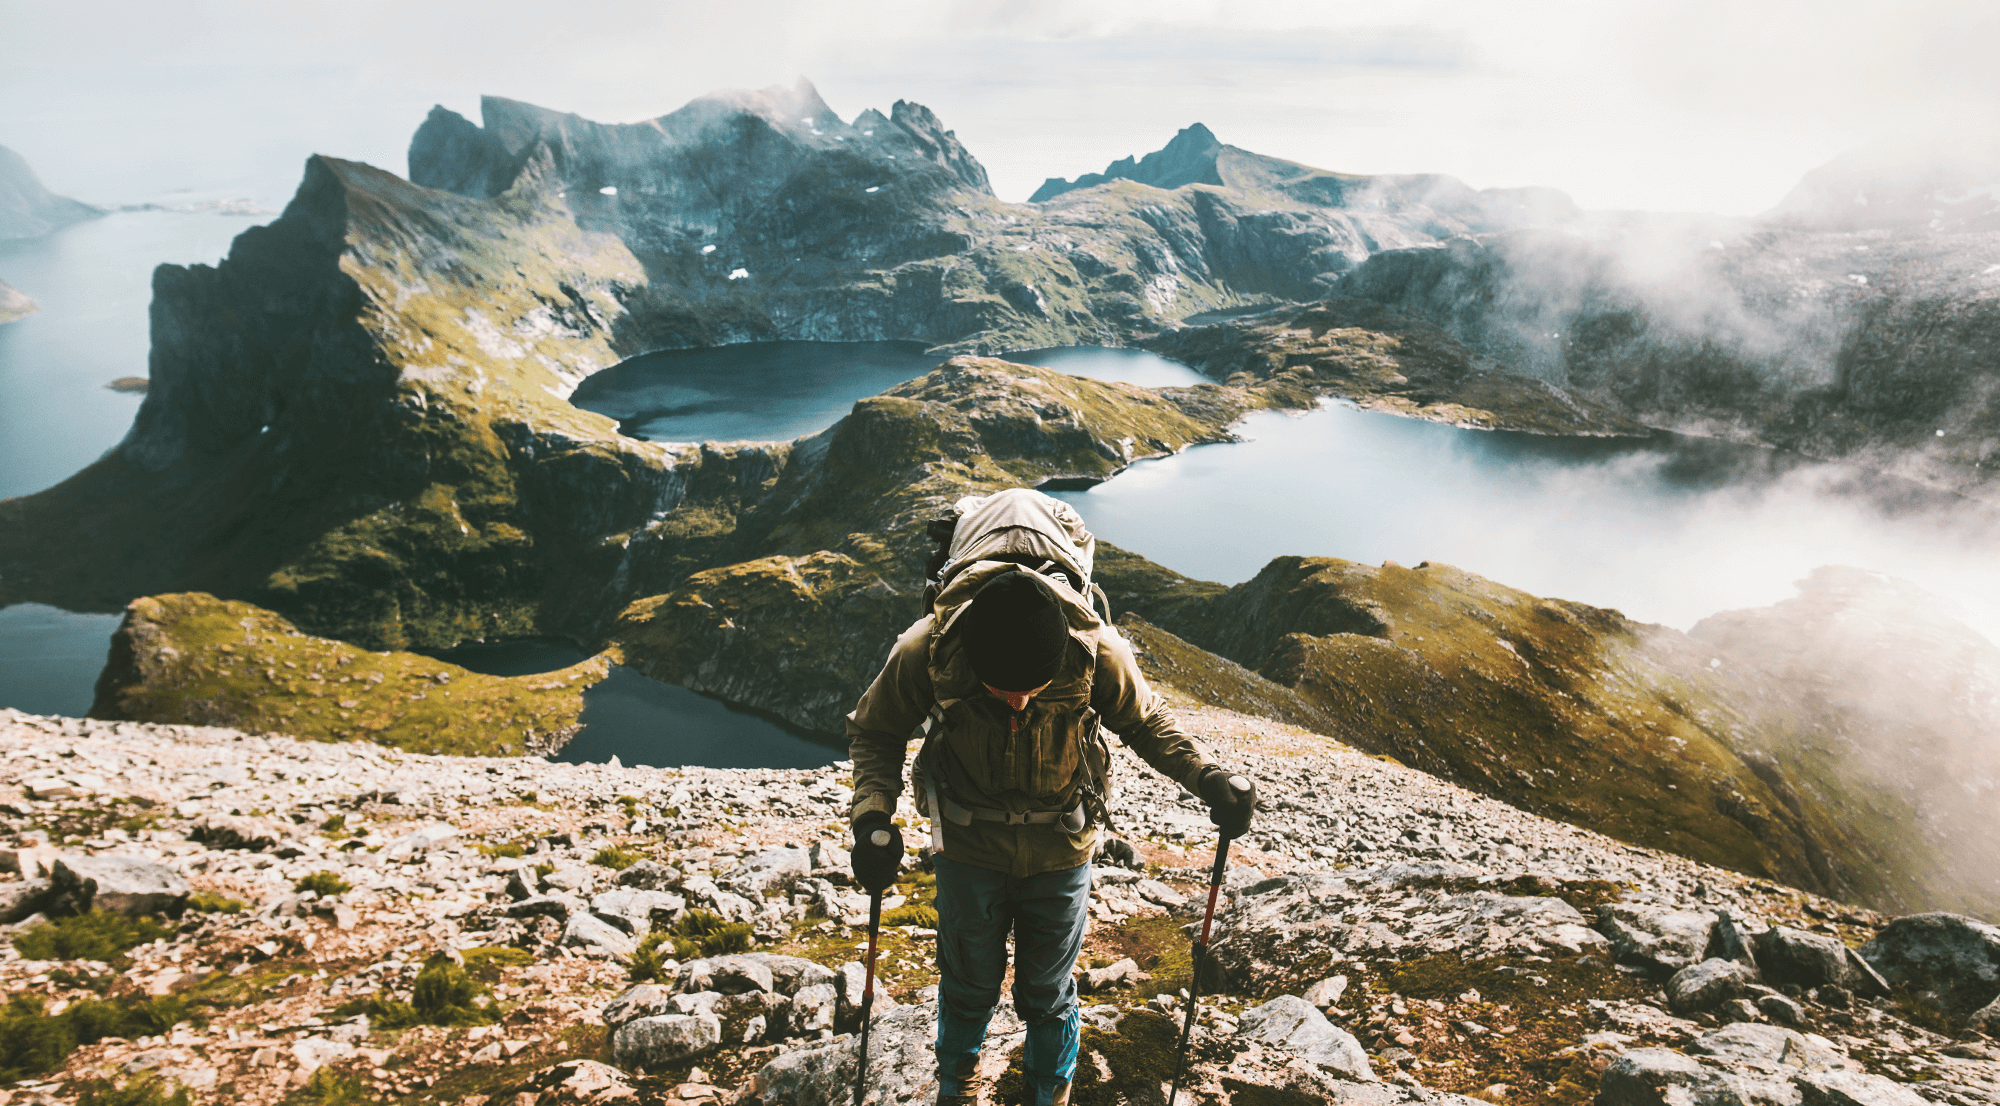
{"type": "Point", "coordinates": [878, 852]}
{"type": "Point", "coordinates": [1231, 799]}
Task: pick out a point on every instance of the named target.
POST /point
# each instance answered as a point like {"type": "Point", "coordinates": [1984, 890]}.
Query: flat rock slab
{"type": "Point", "coordinates": [1291, 1023]}
{"type": "Point", "coordinates": [665, 1039]}
{"type": "Point", "coordinates": [127, 885]}
{"type": "Point", "coordinates": [1706, 985]}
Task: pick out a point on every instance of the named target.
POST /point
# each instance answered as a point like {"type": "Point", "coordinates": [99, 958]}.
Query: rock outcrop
{"type": "Point", "coordinates": [27, 209]}
{"type": "Point", "coordinates": [14, 304]}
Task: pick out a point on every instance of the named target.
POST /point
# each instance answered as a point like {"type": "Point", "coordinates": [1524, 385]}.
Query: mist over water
{"type": "Point", "coordinates": [93, 282]}
{"type": "Point", "coordinates": [1668, 531]}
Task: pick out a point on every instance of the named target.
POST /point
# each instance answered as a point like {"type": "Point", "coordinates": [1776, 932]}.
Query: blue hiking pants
{"type": "Point", "coordinates": [976, 909]}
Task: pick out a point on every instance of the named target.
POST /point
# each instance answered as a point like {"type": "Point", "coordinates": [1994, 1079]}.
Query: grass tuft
{"type": "Point", "coordinates": [99, 935]}
{"type": "Point", "coordinates": [208, 902]}
{"type": "Point", "coordinates": [323, 884]}
{"type": "Point", "coordinates": [444, 994]}
{"type": "Point", "coordinates": [617, 858]}
{"type": "Point", "coordinates": [34, 1042]}
{"type": "Point", "coordinates": [701, 933]}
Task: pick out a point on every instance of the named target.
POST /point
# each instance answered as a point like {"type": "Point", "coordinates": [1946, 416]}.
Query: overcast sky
{"type": "Point", "coordinates": [1695, 105]}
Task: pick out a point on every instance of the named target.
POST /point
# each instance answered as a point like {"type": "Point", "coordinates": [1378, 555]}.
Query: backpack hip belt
{"type": "Point", "coordinates": [1074, 820]}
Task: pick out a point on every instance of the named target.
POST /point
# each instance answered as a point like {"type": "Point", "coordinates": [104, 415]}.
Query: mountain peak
{"type": "Point", "coordinates": [1188, 159]}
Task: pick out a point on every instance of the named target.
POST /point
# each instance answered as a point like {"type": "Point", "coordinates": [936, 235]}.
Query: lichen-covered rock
{"type": "Point", "coordinates": [771, 870]}
{"type": "Point", "coordinates": [634, 911]}
{"type": "Point", "coordinates": [1773, 1048]}
{"type": "Point", "coordinates": [573, 1083]}
{"type": "Point", "coordinates": [127, 885]}
{"type": "Point", "coordinates": [1296, 1026]}
{"type": "Point", "coordinates": [1706, 985]}
{"type": "Point", "coordinates": [664, 1039]}
{"type": "Point", "coordinates": [791, 974]}
{"type": "Point", "coordinates": [645, 1000]}
{"type": "Point", "coordinates": [1948, 960]}
{"type": "Point", "coordinates": [650, 875]}
{"type": "Point", "coordinates": [1854, 1088]}
{"type": "Point", "coordinates": [22, 898]}
{"type": "Point", "coordinates": [1648, 1077]}
{"type": "Point", "coordinates": [595, 936]}
{"type": "Point", "coordinates": [753, 1016]}
{"type": "Point", "coordinates": [729, 975]}
{"type": "Point", "coordinates": [1662, 939]}
{"type": "Point", "coordinates": [1786, 955]}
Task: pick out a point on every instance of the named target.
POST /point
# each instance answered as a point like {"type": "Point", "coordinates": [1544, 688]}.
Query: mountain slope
{"type": "Point", "coordinates": [28, 210]}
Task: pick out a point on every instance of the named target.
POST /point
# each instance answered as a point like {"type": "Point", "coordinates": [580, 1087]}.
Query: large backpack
{"type": "Point", "coordinates": [1020, 526]}
{"type": "Point", "coordinates": [1046, 536]}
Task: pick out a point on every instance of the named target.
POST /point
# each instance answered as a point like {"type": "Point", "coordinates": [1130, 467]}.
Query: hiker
{"type": "Point", "coordinates": [1010, 675]}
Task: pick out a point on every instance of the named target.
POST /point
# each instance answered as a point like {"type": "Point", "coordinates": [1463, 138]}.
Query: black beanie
{"type": "Point", "coordinates": [1015, 633]}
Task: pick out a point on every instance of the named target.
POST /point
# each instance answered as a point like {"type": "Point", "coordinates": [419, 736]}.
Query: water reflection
{"type": "Point", "coordinates": [643, 721]}
{"type": "Point", "coordinates": [1669, 530]}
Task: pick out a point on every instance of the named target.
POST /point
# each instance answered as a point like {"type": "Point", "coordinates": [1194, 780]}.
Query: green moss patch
{"type": "Point", "coordinates": [99, 935]}
{"type": "Point", "coordinates": [34, 1042]}
{"type": "Point", "coordinates": [199, 660]}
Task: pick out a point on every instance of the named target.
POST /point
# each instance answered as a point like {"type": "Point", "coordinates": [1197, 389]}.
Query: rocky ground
{"type": "Point", "coordinates": [359, 924]}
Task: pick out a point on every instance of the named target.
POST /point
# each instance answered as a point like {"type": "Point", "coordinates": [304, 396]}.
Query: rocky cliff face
{"type": "Point", "coordinates": [1870, 344]}
{"type": "Point", "coordinates": [28, 210]}
{"type": "Point", "coordinates": [885, 227]}
{"type": "Point", "coordinates": [14, 303]}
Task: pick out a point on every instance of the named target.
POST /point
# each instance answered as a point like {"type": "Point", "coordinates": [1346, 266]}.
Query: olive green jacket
{"type": "Point", "coordinates": [985, 757]}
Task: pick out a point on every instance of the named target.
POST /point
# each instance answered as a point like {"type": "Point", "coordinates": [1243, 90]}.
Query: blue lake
{"type": "Point", "coordinates": [773, 391]}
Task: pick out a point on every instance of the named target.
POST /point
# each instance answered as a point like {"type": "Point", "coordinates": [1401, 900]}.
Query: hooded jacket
{"type": "Point", "coordinates": [986, 757]}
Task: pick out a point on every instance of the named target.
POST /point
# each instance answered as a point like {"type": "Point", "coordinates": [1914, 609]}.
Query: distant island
{"type": "Point", "coordinates": [28, 210]}
{"type": "Point", "coordinates": [14, 304]}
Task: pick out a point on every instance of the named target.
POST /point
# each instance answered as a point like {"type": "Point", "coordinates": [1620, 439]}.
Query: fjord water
{"type": "Point", "coordinates": [1668, 530]}
{"type": "Point", "coordinates": [643, 721]}
{"type": "Point", "coordinates": [773, 391]}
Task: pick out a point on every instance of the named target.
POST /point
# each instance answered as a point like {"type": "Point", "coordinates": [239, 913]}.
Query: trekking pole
{"type": "Point", "coordinates": [1200, 957]}
{"type": "Point", "coordinates": [868, 987]}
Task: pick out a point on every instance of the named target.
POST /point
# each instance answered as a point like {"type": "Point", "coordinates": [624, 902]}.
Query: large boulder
{"type": "Point", "coordinates": [790, 974]}
{"type": "Point", "coordinates": [634, 911]}
{"type": "Point", "coordinates": [1649, 1077]}
{"type": "Point", "coordinates": [650, 875]}
{"type": "Point", "coordinates": [1949, 961]}
{"type": "Point", "coordinates": [665, 1039]}
{"type": "Point", "coordinates": [848, 983]}
{"type": "Point", "coordinates": [1771, 1048]}
{"type": "Point", "coordinates": [1291, 1023]}
{"type": "Point", "coordinates": [125, 884]}
{"type": "Point", "coordinates": [646, 1000]}
{"type": "Point", "coordinates": [1854, 1088]}
{"type": "Point", "coordinates": [1706, 985]}
{"type": "Point", "coordinates": [1787, 955]}
{"type": "Point", "coordinates": [1658, 938]}
{"type": "Point", "coordinates": [729, 975]}
{"type": "Point", "coordinates": [22, 898]}
{"type": "Point", "coordinates": [771, 870]}
{"type": "Point", "coordinates": [594, 936]}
